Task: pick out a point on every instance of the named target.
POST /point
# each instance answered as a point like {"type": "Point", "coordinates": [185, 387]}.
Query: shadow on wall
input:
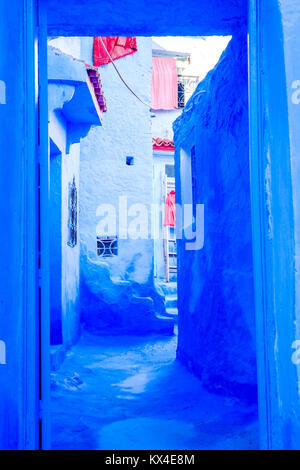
{"type": "Point", "coordinates": [216, 316]}
{"type": "Point", "coordinates": [116, 306]}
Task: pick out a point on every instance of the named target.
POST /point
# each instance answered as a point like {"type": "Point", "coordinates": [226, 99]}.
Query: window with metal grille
{"type": "Point", "coordinates": [107, 246]}
{"type": "Point", "coordinates": [186, 86]}
{"type": "Point", "coordinates": [72, 225]}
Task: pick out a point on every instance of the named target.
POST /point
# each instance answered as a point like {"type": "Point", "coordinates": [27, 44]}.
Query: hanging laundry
{"type": "Point", "coordinates": [170, 210]}
{"type": "Point", "coordinates": [164, 88]}
{"type": "Point", "coordinates": [117, 46]}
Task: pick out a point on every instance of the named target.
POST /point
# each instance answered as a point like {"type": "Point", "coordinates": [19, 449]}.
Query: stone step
{"type": "Point", "coordinates": [165, 324]}
{"type": "Point", "coordinates": [167, 288]}
{"type": "Point", "coordinates": [171, 301]}
{"type": "Point", "coordinates": [172, 313]}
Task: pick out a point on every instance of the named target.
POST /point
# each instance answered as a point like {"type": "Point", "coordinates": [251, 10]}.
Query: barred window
{"type": "Point", "coordinates": [72, 225]}
{"type": "Point", "coordinates": [187, 84]}
{"type": "Point", "coordinates": [107, 246]}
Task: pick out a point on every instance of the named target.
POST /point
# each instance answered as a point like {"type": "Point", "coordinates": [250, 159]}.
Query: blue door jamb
{"type": "Point", "coordinates": [272, 228]}
{"type": "Point", "coordinates": [258, 228]}
{"type": "Point", "coordinates": [44, 197]}
{"type": "Point", "coordinates": [20, 405]}
{"type": "Point", "coordinates": [30, 433]}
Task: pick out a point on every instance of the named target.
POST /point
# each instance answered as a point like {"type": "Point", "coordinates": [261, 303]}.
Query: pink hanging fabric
{"type": "Point", "coordinates": [170, 210]}
{"type": "Point", "coordinates": [164, 83]}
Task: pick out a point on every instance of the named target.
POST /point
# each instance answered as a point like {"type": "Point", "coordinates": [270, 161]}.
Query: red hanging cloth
{"type": "Point", "coordinates": [170, 210]}
{"type": "Point", "coordinates": [117, 47]}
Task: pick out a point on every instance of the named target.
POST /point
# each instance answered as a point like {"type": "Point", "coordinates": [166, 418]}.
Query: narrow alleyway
{"type": "Point", "coordinates": [127, 392]}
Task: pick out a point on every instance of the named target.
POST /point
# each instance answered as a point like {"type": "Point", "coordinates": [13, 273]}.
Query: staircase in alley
{"type": "Point", "coordinates": [169, 291]}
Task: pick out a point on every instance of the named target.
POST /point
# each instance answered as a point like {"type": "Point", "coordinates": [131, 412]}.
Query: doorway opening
{"type": "Point", "coordinates": [129, 269]}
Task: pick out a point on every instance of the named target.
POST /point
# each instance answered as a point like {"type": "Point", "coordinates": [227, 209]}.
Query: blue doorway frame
{"type": "Point", "coordinates": [272, 289]}
{"type": "Point", "coordinates": [272, 228]}
{"type": "Point", "coordinates": [27, 335]}
{"type": "Point", "coordinates": [273, 259]}
{"type": "Point", "coordinates": [21, 278]}
{"type": "Point", "coordinates": [44, 236]}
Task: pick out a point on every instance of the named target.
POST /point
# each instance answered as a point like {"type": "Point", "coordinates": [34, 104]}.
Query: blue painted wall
{"type": "Point", "coordinates": [64, 267]}
{"type": "Point", "coordinates": [118, 293]}
{"type": "Point", "coordinates": [77, 17]}
{"type": "Point", "coordinates": [56, 247]}
{"type": "Point", "coordinates": [215, 285]}
{"type": "Point", "coordinates": [67, 82]}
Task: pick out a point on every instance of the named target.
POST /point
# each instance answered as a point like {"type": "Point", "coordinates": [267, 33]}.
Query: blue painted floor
{"type": "Point", "coordinates": [128, 392]}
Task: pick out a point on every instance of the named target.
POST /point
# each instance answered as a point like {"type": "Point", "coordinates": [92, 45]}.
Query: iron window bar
{"type": "Point", "coordinates": [72, 225]}
{"type": "Point", "coordinates": [186, 86]}
{"type": "Point", "coordinates": [107, 247]}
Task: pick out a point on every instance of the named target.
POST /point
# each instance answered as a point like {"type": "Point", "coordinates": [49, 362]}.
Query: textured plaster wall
{"type": "Point", "coordinates": [68, 45]}
{"type": "Point", "coordinates": [78, 47]}
{"type": "Point", "coordinates": [215, 285]}
{"type": "Point", "coordinates": [70, 255]}
{"type": "Point", "coordinates": [71, 114]}
{"type": "Point", "coordinates": [55, 245]}
{"type": "Point", "coordinates": [64, 263]}
{"type": "Point", "coordinates": [162, 123]}
{"type": "Point", "coordinates": [125, 280]}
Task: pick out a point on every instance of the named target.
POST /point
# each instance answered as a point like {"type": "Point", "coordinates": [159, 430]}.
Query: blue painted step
{"type": "Point", "coordinates": [172, 313]}
{"type": "Point", "coordinates": [171, 301]}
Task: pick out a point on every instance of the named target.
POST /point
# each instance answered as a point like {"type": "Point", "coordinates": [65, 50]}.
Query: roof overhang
{"type": "Point", "coordinates": [135, 18]}
{"type": "Point", "coordinates": [165, 53]}
{"type": "Point", "coordinates": [163, 145]}
{"type": "Point", "coordinates": [72, 94]}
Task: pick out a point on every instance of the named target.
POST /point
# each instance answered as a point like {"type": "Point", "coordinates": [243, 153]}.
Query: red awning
{"type": "Point", "coordinates": [164, 83]}
{"type": "Point", "coordinates": [117, 46]}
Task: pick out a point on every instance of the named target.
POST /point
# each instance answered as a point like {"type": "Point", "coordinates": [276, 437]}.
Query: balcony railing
{"type": "Point", "coordinates": [186, 87]}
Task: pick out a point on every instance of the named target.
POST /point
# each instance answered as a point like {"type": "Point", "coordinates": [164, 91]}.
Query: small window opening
{"type": "Point", "coordinates": [170, 171]}
{"type": "Point", "coordinates": [107, 247]}
{"type": "Point", "coordinates": [129, 161]}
